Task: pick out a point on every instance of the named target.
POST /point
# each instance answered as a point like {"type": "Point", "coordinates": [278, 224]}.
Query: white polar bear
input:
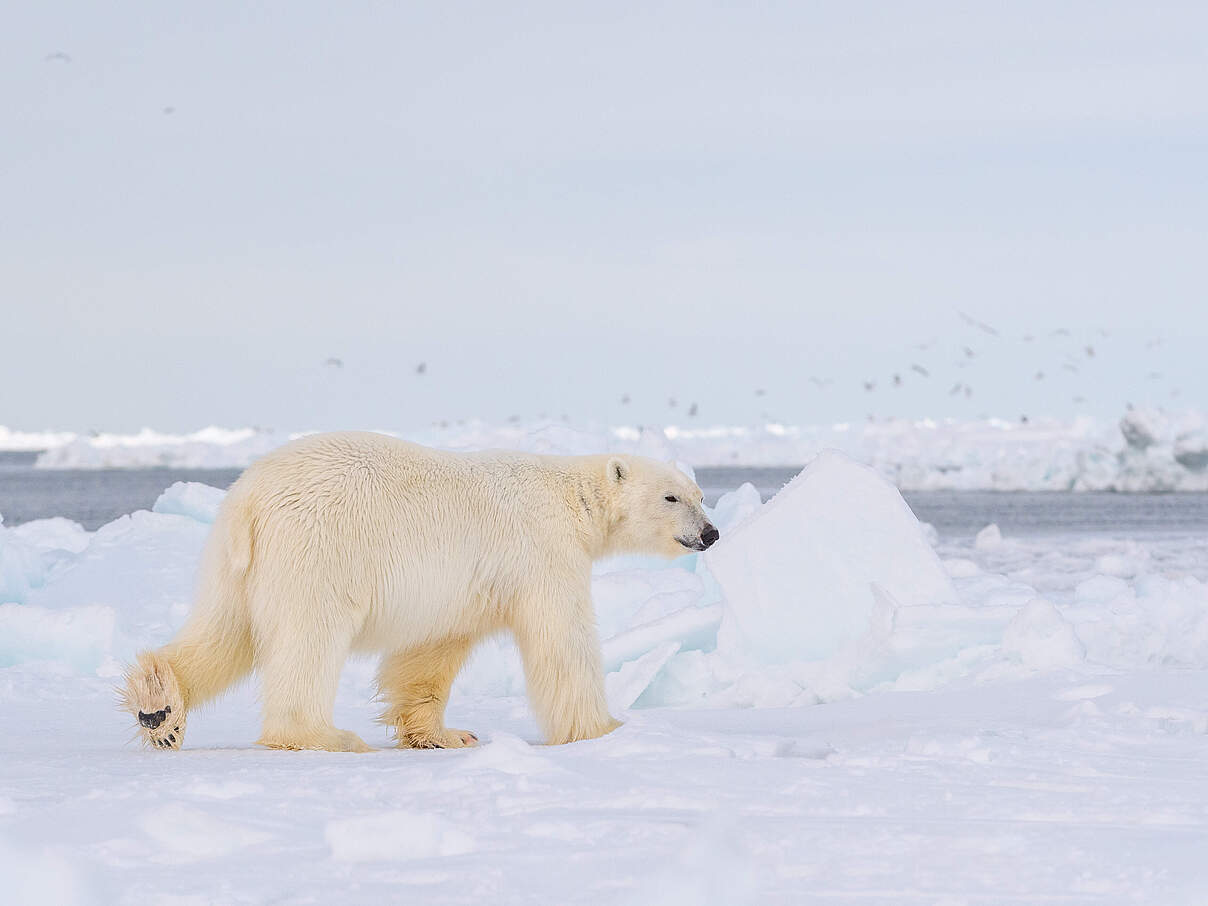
{"type": "Point", "coordinates": [361, 542]}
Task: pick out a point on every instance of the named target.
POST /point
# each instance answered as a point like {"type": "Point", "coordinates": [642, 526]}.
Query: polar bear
{"type": "Point", "coordinates": [361, 542]}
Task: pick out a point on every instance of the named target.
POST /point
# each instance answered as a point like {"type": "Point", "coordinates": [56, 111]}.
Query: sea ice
{"type": "Point", "coordinates": [797, 576]}
{"type": "Point", "coordinates": [192, 499]}
{"type": "Point", "coordinates": [988, 538]}
{"type": "Point", "coordinates": [54, 534]}
{"type": "Point", "coordinates": [79, 637]}
{"type": "Point", "coordinates": [1004, 701]}
{"type": "Point", "coordinates": [1145, 450]}
{"type": "Point", "coordinates": [1041, 639]}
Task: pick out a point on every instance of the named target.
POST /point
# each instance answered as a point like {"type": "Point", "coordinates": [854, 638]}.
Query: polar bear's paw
{"type": "Point", "coordinates": [153, 696]}
{"type": "Point", "coordinates": [444, 738]}
{"type": "Point", "coordinates": [324, 740]}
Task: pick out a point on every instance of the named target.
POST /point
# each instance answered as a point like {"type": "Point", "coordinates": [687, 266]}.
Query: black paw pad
{"type": "Point", "coordinates": [152, 721]}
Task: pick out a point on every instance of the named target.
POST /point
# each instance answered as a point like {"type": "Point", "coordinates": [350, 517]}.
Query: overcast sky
{"type": "Point", "coordinates": [553, 208]}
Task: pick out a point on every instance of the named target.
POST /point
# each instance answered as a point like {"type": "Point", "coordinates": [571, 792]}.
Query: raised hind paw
{"type": "Point", "coordinates": [153, 696]}
{"type": "Point", "coordinates": [443, 738]}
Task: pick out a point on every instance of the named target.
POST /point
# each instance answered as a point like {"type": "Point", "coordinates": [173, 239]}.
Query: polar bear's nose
{"type": "Point", "coordinates": [709, 534]}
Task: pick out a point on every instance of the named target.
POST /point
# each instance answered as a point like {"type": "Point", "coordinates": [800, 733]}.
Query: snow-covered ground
{"type": "Point", "coordinates": [833, 705]}
{"type": "Point", "coordinates": [1145, 450]}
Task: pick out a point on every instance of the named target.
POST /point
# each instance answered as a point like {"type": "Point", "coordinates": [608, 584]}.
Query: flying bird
{"type": "Point", "coordinates": [980, 325]}
{"type": "Point", "coordinates": [759, 391]}
{"type": "Point", "coordinates": [692, 410]}
{"type": "Point", "coordinates": [821, 383]}
{"type": "Point", "coordinates": [421, 368]}
{"type": "Point", "coordinates": [1060, 332]}
{"type": "Point", "coordinates": [897, 380]}
{"type": "Point", "coordinates": [671, 402]}
{"type": "Point", "coordinates": [333, 362]}
{"type": "Point", "coordinates": [1039, 375]}
{"type": "Point", "coordinates": [969, 353]}
{"type": "Point", "coordinates": [625, 399]}
{"type": "Point", "coordinates": [57, 57]}
{"type": "Point", "coordinates": [168, 111]}
{"type": "Point", "coordinates": [921, 370]}
{"type": "Point", "coordinates": [1090, 352]}
{"type": "Point", "coordinates": [956, 388]}
{"type": "Point", "coordinates": [870, 386]}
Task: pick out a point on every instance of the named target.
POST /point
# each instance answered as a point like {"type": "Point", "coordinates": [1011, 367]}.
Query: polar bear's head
{"type": "Point", "coordinates": [657, 508]}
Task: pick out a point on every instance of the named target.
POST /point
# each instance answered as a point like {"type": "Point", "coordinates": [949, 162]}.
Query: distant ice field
{"type": "Point", "coordinates": [94, 497]}
{"type": "Point", "coordinates": [1144, 450]}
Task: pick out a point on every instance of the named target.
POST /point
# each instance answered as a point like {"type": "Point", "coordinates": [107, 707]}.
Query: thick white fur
{"type": "Point", "coordinates": [360, 542]}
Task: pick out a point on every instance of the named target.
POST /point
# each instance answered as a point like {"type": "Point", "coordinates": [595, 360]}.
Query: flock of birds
{"type": "Point", "coordinates": [1072, 361]}
{"type": "Point", "coordinates": [1075, 355]}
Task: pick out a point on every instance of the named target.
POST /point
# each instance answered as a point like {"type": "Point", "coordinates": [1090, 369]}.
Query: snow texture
{"type": "Point", "coordinates": [896, 718]}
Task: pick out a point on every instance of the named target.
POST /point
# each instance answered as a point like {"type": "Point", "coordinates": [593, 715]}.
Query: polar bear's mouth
{"type": "Point", "coordinates": [693, 545]}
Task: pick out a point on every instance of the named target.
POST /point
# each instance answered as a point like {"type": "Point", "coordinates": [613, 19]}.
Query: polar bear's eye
{"type": "Point", "coordinates": [671, 499]}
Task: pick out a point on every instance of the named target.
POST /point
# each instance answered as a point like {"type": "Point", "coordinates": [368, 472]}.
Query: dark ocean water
{"type": "Point", "coordinates": [93, 497]}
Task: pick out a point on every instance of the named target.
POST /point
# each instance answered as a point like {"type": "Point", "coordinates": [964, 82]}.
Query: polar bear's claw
{"type": "Point", "coordinates": [442, 739]}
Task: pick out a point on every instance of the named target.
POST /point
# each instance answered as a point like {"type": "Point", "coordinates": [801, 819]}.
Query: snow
{"type": "Point", "coordinates": [396, 836]}
{"type": "Point", "coordinates": [1144, 450]}
{"type": "Point", "coordinates": [908, 718]}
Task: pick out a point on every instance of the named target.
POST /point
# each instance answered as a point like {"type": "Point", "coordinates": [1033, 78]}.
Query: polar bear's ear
{"type": "Point", "coordinates": [617, 470]}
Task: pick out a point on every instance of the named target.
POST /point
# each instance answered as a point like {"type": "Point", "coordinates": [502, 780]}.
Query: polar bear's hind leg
{"type": "Point", "coordinates": [163, 685]}
{"type": "Point", "coordinates": [415, 685]}
{"type": "Point", "coordinates": [300, 670]}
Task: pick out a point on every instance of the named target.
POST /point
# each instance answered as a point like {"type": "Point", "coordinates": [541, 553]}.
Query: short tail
{"type": "Point", "coordinates": [212, 650]}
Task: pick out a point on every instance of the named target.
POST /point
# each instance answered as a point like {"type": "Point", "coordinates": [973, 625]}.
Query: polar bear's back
{"type": "Point", "coordinates": [420, 538]}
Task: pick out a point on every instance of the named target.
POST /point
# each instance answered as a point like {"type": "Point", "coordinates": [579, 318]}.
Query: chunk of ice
{"type": "Point", "coordinates": [190, 498]}
{"type": "Point", "coordinates": [988, 538]}
{"type": "Point", "coordinates": [797, 576]}
{"type": "Point", "coordinates": [1040, 638]}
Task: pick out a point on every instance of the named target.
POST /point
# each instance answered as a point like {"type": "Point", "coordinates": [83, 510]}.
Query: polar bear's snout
{"type": "Point", "coordinates": [708, 535]}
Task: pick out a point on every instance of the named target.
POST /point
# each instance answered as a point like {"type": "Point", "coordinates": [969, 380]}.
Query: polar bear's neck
{"type": "Point", "coordinates": [592, 504]}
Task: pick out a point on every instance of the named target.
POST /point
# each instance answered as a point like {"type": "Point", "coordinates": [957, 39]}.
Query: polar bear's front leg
{"type": "Point", "coordinates": [415, 685]}
{"type": "Point", "coordinates": [563, 669]}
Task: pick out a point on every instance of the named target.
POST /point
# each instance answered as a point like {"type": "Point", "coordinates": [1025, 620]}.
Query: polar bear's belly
{"type": "Point", "coordinates": [411, 613]}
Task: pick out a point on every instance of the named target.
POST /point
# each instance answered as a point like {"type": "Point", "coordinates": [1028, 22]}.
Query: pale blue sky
{"type": "Point", "coordinates": [553, 208]}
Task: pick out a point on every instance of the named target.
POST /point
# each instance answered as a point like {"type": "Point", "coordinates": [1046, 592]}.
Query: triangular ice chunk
{"type": "Point", "coordinates": [797, 576]}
